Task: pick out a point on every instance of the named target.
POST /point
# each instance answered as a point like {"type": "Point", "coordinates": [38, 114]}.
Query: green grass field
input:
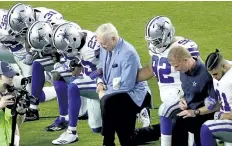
{"type": "Point", "coordinates": [207, 23]}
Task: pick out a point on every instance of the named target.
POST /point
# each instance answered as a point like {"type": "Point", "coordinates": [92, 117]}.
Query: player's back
{"type": "Point", "coordinates": [91, 49]}
{"type": "Point", "coordinates": [48, 15]}
{"type": "Point", "coordinates": [4, 27]}
{"type": "Point", "coordinates": [3, 23]}
{"type": "Point", "coordinates": [90, 52]}
{"type": "Point", "coordinates": [223, 89]}
{"type": "Point", "coordinates": [168, 78]}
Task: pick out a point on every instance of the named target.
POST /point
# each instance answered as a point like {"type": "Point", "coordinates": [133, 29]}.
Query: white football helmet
{"type": "Point", "coordinates": [20, 17]}
{"type": "Point", "coordinates": [67, 38]}
{"type": "Point", "coordinates": [159, 33]}
{"type": "Point", "coordinates": [39, 37]}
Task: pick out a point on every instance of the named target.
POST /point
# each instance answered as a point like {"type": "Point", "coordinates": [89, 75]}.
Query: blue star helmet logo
{"type": "Point", "coordinates": [162, 26]}
{"type": "Point", "coordinates": [20, 19]}
{"type": "Point", "coordinates": [65, 35]}
{"type": "Point", "coordinates": [40, 37]}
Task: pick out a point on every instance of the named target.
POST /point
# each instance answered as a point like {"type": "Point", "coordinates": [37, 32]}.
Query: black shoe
{"type": "Point", "coordinates": [59, 124]}
{"type": "Point", "coordinates": [84, 117]}
{"type": "Point", "coordinates": [31, 115]}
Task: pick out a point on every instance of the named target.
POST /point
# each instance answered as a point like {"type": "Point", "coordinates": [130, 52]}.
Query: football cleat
{"type": "Point", "coordinates": [66, 138]}
{"type": "Point", "coordinates": [144, 117]}
{"type": "Point", "coordinates": [59, 124]}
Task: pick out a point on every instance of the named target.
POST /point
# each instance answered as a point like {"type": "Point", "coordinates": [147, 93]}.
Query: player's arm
{"type": "Point", "coordinates": [100, 65]}
{"type": "Point", "coordinates": [145, 73]}
{"type": "Point", "coordinates": [204, 110]}
{"type": "Point", "coordinates": [194, 50]}
{"type": "Point", "coordinates": [212, 99]}
{"type": "Point", "coordinates": [211, 103]}
{"type": "Point", "coordinates": [226, 116]}
{"type": "Point", "coordinates": [97, 73]}
{"type": "Point", "coordinates": [98, 58]}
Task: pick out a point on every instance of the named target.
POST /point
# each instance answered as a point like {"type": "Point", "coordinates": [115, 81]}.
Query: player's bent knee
{"type": "Point", "coordinates": [205, 130]}
{"type": "Point", "coordinates": [167, 109]}
{"type": "Point", "coordinates": [36, 63]}
{"type": "Point", "coordinates": [161, 110]}
{"type": "Point", "coordinates": [209, 122]}
{"type": "Point", "coordinates": [56, 76]}
{"type": "Point", "coordinates": [72, 87]}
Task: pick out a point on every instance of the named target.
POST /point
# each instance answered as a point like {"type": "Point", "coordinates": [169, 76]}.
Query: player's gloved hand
{"type": "Point", "coordinates": [210, 103]}
{"type": "Point", "coordinates": [55, 56]}
{"type": "Point", "coordinates": [76, 68]}
{"type": "Point", "coordinates": [218, 115]}
{"type": "Point", "coordinates": [94, 74]}
{"type": "Point", "coordinates": [30, 57]}
{"type": "Point", "coordinates": [75, 63]}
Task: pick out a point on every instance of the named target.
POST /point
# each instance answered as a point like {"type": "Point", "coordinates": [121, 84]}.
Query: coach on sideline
{"type": "Point", "coordinates": [200, 99]}
{"type": "Point", "coordinates": [123, 97]}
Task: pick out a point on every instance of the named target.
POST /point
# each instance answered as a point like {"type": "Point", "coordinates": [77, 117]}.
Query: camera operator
{"type": "Point", "coordinates": [6, 118]}
{"type": "Point", "coordinates": [12, 103]}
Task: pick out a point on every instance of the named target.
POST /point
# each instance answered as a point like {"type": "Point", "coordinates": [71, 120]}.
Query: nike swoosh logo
{"type": "Point", "coordinates": [31, 118]}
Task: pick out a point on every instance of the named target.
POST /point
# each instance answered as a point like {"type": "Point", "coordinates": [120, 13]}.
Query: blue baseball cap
{"type": "Point", "coordinates": [6, 69]}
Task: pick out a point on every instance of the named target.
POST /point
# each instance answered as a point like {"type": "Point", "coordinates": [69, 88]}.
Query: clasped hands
{"type": "Point", "coordinates": [209, 103]}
